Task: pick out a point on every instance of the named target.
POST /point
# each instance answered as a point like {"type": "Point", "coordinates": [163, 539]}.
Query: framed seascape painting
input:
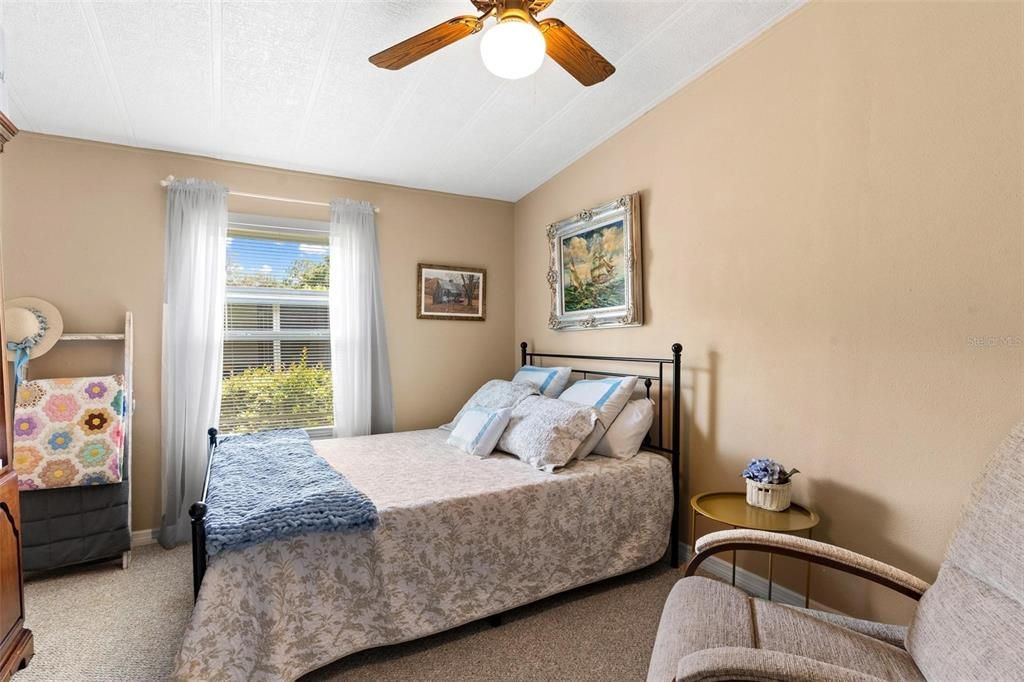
{"type": "Point", "coordinates": [595, 272]}
{"type": "Point", "coordinates": [445, 292]}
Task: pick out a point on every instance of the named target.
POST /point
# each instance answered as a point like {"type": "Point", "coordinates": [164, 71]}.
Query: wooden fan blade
{"type": "Point", "coordinates": [420, 45]}
{"type": "Point", "coordinates": [537, 6]}
{"type": "Point", "coordinates": [574, 54]}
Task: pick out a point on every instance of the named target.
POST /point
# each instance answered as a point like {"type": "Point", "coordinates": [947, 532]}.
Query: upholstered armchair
{"type": "Point", "coordinates": [969, 625]}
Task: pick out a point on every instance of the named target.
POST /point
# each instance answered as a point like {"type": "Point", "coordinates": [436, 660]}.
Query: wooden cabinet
{"type": "Point", "coordinates": [15, 640]}
{"type": "Point", "coordinates": [16, 645]}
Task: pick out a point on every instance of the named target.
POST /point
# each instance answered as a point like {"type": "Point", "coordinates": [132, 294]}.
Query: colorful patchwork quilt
{"type": "Point", "coordinates": [69, 432]}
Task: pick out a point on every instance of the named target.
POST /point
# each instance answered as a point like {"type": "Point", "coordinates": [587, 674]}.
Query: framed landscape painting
{"type": "Point", "coordinates": [595, 272]}
{"type": "Point", "coordinates": [446, 292]}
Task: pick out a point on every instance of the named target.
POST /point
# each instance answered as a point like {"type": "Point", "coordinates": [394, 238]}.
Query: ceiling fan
{"type": "Point", "coordinates": [512, 48]}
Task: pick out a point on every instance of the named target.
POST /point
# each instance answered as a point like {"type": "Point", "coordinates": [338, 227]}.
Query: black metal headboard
{"type": "Point", "coordinates": [527, 357]}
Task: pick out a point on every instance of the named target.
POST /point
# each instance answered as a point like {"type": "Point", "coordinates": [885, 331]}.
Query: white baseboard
{"type": "Point", "coordinates": [141, 538]}
{"type": "Point", "coordinates": [752, 583]}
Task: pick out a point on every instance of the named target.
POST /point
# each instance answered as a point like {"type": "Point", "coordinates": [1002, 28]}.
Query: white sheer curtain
{"type": "Point", "coordinates": [359, 349]}
{"type": "Point", "coordinates": [193, 334]}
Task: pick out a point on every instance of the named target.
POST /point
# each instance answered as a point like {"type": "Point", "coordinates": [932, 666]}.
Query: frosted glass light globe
{"type": "Point", "coordinates": [512, 49]}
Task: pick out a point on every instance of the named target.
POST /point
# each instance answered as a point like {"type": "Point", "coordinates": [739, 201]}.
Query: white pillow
{"type": "Point", "coordinates": [640, 392]}
{"type": "Point", "coordinates": [607, 396]}
{"type": "Point", "coordinates": [549, 381]}
{"type": "Point", "coordinates": [545, 432]}
{"type": "Point", "coordinates": [478, 430]}
{"type": "Point", "coordinates": [626, 434]}
{"type": "Point", "coordinates": [494, 395]}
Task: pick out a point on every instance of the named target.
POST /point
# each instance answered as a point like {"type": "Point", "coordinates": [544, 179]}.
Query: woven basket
{"type": "Point", "coordinates": [770, 496]}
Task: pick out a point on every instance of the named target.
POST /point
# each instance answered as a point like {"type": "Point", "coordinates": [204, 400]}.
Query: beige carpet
{"type": "Point", "coordinates": [103, 623]}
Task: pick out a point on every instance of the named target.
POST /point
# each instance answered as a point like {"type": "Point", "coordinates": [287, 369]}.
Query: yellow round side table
{"type": "Point", "coordinates": [732, 510]}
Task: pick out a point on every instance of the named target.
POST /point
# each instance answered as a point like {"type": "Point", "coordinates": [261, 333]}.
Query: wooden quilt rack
{"type": "Point", "coordinates": [40, 554]}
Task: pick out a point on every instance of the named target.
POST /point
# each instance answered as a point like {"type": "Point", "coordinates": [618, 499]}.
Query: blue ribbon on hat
{"type": "Point", "coordinates": [23, 349]}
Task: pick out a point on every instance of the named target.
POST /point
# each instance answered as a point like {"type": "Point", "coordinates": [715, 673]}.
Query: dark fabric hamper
{"type": "Point", "coordinates": [66, 526]}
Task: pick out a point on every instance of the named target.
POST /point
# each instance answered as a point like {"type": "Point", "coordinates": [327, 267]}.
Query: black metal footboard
{"type": "Point", "coordinates": [198, 512]}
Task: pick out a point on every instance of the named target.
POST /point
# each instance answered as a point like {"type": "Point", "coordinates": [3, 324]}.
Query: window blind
{"type": "Point", "coordinates": [277, 348]}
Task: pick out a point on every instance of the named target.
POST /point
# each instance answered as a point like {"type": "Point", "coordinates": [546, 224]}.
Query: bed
{"type": "Point", "coordinates": [459, 539]}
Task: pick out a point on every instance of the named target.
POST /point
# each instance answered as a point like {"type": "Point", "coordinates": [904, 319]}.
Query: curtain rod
{"type": "Point", "coordinates": [170, 178]}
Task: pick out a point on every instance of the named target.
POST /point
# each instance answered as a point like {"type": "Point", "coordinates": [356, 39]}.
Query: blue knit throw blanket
{"type": "Point", "coordinates": [271, 485]}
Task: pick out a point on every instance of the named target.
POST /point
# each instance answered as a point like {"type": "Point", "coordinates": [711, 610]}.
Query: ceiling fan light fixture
{"type": "Point", "coordinates": [512, 49]}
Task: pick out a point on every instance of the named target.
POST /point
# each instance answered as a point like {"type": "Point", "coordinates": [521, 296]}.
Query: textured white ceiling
{"type": "Point", "coordinates": [288, 84]}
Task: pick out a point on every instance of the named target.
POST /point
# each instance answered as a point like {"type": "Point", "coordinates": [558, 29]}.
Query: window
{"type": "Point", "coordinates": [277, 337]}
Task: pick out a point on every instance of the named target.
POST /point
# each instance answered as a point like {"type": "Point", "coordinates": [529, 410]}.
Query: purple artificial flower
{"type": "Point", "coordinates": [768, 471]}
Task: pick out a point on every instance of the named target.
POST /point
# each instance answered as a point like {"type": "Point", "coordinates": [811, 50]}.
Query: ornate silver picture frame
{"type": "Point", "coordinates": [596, 272]}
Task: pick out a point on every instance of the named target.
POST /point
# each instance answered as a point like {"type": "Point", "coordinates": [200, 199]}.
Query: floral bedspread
{"type": "Point", "coordinates": [460, 538]}
{"type": "Point", "coordinates": [69, 432]}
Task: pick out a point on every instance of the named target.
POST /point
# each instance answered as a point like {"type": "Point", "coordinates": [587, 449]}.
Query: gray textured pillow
{"type": "Point", "coordinates": [496, 394]}
{"type": "Point", "coordinates": [545, 432]}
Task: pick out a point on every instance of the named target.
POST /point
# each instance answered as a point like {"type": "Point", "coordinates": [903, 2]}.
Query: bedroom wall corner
{"type": "Point", "coordinates": [834, 230]}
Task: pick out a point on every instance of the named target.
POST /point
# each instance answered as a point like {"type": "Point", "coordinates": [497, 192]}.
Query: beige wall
{"type": "Point", "coordinates": [831, 214]}
{"type": "Point", "coordinates": [84, 228]}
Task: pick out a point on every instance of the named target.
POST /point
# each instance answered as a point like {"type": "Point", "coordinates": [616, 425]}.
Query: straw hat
{"type": "Point", "coordinates": [29, 317]}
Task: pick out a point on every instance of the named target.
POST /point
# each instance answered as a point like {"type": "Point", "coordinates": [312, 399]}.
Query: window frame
{"type": "Point", "coordinates": [294, 228]}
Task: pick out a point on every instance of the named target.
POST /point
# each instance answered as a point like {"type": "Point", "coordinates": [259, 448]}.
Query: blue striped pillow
{"type": "Point", "coordinates": [607, 396]}
{"type": "Point", "coordinates": [550, 381]}
{"type": "Point", "coordinates": [478, 430]}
